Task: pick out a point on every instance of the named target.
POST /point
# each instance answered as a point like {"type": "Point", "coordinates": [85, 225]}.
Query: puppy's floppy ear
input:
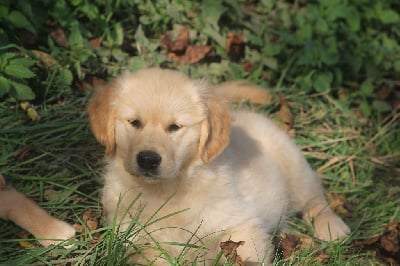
{"type": "Point", "coordinates": [102, 116]}
{"type": "Point", "coordinates": [215, 130]}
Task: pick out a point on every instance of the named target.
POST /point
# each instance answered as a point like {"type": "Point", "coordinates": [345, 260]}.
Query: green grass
{"type": "Point", "coordinates": [358, 162]}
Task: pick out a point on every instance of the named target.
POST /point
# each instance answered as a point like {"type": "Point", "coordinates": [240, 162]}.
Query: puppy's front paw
{"type": "Point", "coordinates": [329, 227]}
{"type": "Point", "coordinates": [57, 231]}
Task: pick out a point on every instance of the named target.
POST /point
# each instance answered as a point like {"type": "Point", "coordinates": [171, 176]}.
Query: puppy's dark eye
{"type": "Point", "coordinates": [174, 127]}
{"type": "Point", "coordinates": [135, 123]}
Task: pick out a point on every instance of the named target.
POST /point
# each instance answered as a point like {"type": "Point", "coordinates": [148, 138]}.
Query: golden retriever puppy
{"type": "Point", "coordinates": [174, 141]}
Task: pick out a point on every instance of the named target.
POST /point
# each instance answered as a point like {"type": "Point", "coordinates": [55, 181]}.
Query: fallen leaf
{"type": "Point", "coordinates": [33, 114]}
{"type": "Point", "coordinates": [285, 115]}
{"type": "Point", "coordinates": [181, 42]}
{"type": "Point", "coordinates": [90, 220]}
{"type": "Point", "coordinates": [180, 50]}
{"type": "Point", "coordinates": [78, 228]}
{"type": "Point", "coordinates": [30, 110]}
{"type": "Point", "coordinates": [387, 245]}
{"type": "Point", "coordinates": [383, 93]}
{"type": "Point", "coordinates": [247, 66]}
{"type": "Point", "coordinates": [289, 244]}
{"type": "Point", "coordinates": [20, 156]}
{"type": "Point", "coordinates": [59, 37]}
{"type": "Point", "coordinates": [338, 203]}
{"type": "Point", "coordinates": [368, 241]}
{"type": "Point", "coordinates": [95, 43]}
{"type": "Point", "coordinates": [45, 58]}
{"type": "Point", "coordinates": [26, 244]}
{"type": "Point", "coordinates": [193, 54]}
{"type": "Point", "coordinates": [229, 249]}
{"type": "Point", "coordinates": [390, 239]}
{"type": "Point", "coordinates": [235, 46]}
{"type": "Point", "coordinates": [322, 257]}
{"type": "Point", "coordinates": [50, 194]}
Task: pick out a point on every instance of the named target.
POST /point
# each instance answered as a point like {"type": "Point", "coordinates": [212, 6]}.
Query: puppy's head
{"type": "Point", "coordinates": [159, 122]}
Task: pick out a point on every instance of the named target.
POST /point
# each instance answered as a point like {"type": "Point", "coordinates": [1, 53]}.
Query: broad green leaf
{"type": "Point", "coordinates": [367, 88]}
{"type": "Point", "coordinates": [353, 19]}
{"type": "Point", "coordinates": [397, 65]}
{"type": "Point", "coordinates": [4, 86]}
{"type": "Point", "coordinates": [75, 37]}
{"type": "Point", "coordinates": [18, 20]}
{"type": "Point", "coordinates": [21, 91]}
{"type": "Point", "coordinates": [211, 12]}
{"type": "Point", "coordinates": [335, 12]}
{"type": "Point", "coordinates": [75, 2]}
{"type": "Point", "coordinates": [18, 71]}
{"type": "Point", "coordinates": [381, 106]}
{"type": "Point", "coordinates": [3, 11]}
{"type": "Point", "coordinates": [137, 63]}
{"type": "Point", "coordinates": [117, 34]}
{"type": "Point", "coordinates": [323, 81]}
{"type": "Point", "coordinates": [305, 82]}
{"type": "Point", "coordinates": [22, 61]}
{"type": "Point", "coordinates": [389, 16]}
{"type": "Point", "coordinates": [5, 58]}
{"type": "Point", "coordinates": [65, 77]}
{"type": "Point", "coordinates": [365, 108]}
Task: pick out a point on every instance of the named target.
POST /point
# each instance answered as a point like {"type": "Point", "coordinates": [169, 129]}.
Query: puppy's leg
{"type": "Point", "coordinates": [309, 198]}
{"type": "Point", "coordinates": [327, 225]}
{"type": "Point", "coordinates": [24, 212]}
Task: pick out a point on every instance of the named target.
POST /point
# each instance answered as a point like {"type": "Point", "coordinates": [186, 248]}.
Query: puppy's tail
{"type": "Point", "coordinates": [242, 91]}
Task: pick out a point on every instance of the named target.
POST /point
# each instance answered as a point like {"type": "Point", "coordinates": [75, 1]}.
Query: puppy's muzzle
{"type": "Point", "coordinates": [148, 161]}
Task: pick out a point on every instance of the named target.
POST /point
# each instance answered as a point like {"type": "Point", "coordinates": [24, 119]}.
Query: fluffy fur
{"type": "Point", "coordinates": [237, 172]}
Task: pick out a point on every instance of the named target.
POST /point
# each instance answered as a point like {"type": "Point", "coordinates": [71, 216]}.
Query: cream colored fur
{"type": "Point", "coordinates": [236, 171]}
{"type": "Point", "coordinates": [26, 213]}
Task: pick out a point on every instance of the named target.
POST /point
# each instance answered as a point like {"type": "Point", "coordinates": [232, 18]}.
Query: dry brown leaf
{"type": "Point", "coordinates": [338, 203]}
{"type": "Point", "coordinates": [235, 46]}
{"type": "Point", "coordinates": [247, 66]}
{"type": "Point", "coordinates": [383, 93]}
{"type": "Point", "coordinates": [322, 257]}
{"type": "Point", "coordinates": [59, 37]}
{"type": "Point", "coordinates": [285, 115]}
{"type": "Point", "coordinates": [194, 53]}
{"type": "Point", "coordinates": [166, 41]}
{"type": "Point", "coordinates": [45, 58]}
{"type": "Point", "coordinates": [91, 221]}
{"type": "Point", "coordinates": [78, 228]}
{"type": "Point", "coordinates": [368, 241]}
{"type": "Point", "coordinates": [288, 245]}
{"type": "Point", "coordinates": [50, 194]}
{"type": "Point", "coordinates": [390, 240]}
{"type": "Point", "coordinates": [229, 249]}
{"type": "Point", "coordinates": [20, 156]}
{"type": "Point", "coordinates": [181, 42]}
{"type": "Point", "coordinates": [179, 45]}
{"type": "Point", "coordinates": [180, 50]}
{"type": "Point", "coordinates": [387, 245]}
{"type": "Point", "coordinates": [95, 43]}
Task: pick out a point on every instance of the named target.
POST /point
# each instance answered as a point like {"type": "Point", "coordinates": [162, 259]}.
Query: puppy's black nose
{"type": "Point", "coordinates": [148, 160]}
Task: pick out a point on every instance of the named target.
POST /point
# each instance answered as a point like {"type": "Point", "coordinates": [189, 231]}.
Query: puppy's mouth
{"type": "Point", "coordinates": [149, 175]}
